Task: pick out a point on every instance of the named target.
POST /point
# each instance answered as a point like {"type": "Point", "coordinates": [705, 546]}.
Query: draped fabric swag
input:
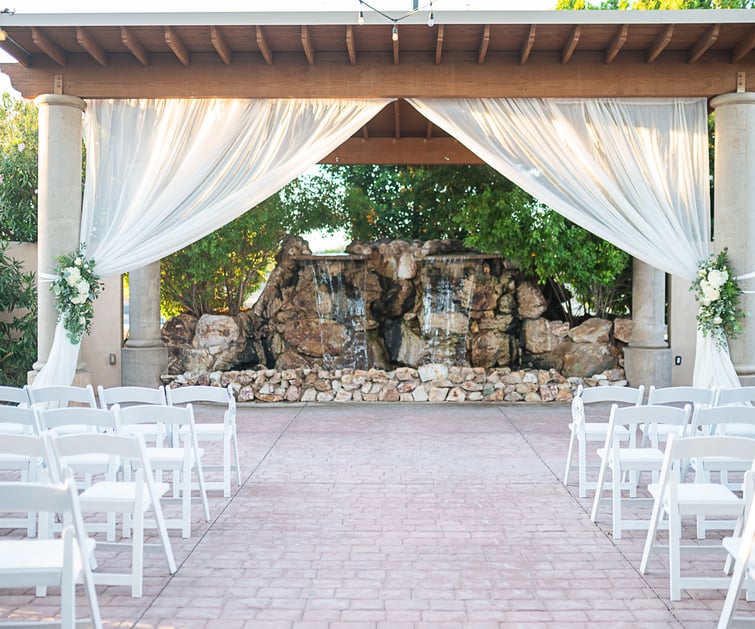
{"type": "Point", "coordinates": [162, 174]}
{"type": "Point", "coordinates": [632, 171]}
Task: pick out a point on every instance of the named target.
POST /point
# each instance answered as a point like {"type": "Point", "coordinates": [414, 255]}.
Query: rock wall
{"type": "Point", "coordinates": [390, 306]}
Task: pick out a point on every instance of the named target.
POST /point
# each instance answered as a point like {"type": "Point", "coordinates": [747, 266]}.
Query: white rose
{"type": "Point", "coordinates": [717, 278]}
{"type": "Point", "coordinates": [78, 299]}
{"type": "Point", "coordinates": [717, 320]}
{"type": "Point", "coordinates": [82, 320]}
{"type": "Point", "coordinates": [710, 293]}
{"type": "Point", "coordinates": [77, 261]}
{"type": "Point", "coordinates": [83, 287]}
{"type": "Point", "coordinates": [73, 275]}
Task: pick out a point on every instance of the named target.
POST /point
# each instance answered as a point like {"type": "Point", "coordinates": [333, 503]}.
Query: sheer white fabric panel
{"type": "Point", "coordinates": [632, 171]}
{"type": "Point", "coordinates": [162, 174]}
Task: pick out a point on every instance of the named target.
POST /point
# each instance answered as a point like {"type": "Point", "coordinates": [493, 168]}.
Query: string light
{"type": "Point", "coordinates": [396, 20]}
{"type": "Point", "coordinates": [360, 19]}
{"type": "Point", "coordinates": [431, 18]}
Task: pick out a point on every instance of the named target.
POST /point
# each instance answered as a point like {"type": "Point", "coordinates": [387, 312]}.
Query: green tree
{"type": "Point", "coordinates": [218, 272]}
{"type": "Point", "coordinates": [18, 169]}
{"type": "Point", "coordinates": [18, 320]}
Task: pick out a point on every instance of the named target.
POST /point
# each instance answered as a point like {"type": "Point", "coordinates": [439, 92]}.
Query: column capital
{"type": "Point", "coordinates": [733, 98]}
{"type": "Point", "coordinates": [60, 100]}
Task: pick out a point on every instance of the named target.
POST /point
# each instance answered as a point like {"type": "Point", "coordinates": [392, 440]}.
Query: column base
{"type": "Point", "coordinates": [648, 366]}
{"type": "Point", "coordinates": [143, 366]}
{"type": "Point", "coordinates": [82, 378]}
{"type": "Point", "coordinates": [747, 379]}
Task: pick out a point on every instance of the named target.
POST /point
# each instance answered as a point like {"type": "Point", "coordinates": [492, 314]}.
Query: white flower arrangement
{"type": "Point", "coordinates": [717, 293]}
{"type": "Point", "coordinates": [76, 287]}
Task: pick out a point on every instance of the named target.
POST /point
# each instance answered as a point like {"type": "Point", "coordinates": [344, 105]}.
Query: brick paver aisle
{"type": "Point", "coordinates": [393, 516]}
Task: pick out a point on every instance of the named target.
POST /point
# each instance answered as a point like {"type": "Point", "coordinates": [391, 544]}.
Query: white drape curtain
{"type": "Point", "coordinates": [163, 173]}
{"type": "Point", "coordinates": [632, 171]}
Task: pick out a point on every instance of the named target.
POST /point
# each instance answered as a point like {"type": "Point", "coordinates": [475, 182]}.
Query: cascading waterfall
{"type": "Point", "coordinates": [449, 284]}
{"type": "Point", "coordinates": [340, 299]}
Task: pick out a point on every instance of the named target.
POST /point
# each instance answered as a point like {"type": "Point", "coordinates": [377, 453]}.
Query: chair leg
{"type": "Point", "coordinates": [227, 465]}
{"type": "Point", "coordinates": [582, 467]}
{"type": "Point", "coordinates": [655, 518]}
{"type": "Point", "coordinates": [674, 555]}
{"type": "Point", "coordinates": [68, 583]}
{"type": "Point", "coordinates": [236, 454]}
{"type": "Point", "coordinates": [567, 469]}
{"type": "Point", "coordinates": [616, 500]}
{"type": "Point", "coordinates": [599, 488]}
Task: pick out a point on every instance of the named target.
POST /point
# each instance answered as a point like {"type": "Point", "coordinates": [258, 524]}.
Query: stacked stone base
{"type": "Point", "coordinates": [428, 383]}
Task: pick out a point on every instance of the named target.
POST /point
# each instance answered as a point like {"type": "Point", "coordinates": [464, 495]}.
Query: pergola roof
{"type": "Point", "coordinates": [307, 55]}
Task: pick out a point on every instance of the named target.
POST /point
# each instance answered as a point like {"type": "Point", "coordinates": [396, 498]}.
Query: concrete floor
{"type": "Point", "coordinates": [400, 515]}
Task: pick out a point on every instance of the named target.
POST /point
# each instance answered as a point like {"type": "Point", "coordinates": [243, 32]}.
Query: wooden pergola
{"type": "Point", "coordinates": [328, 55]}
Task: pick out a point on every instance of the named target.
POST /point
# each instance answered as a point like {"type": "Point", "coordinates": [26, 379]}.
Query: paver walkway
{"type": "Point", "coordinates": [399, 515]}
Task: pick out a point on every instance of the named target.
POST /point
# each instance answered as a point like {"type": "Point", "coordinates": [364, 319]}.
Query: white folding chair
{"type": "Point", "coordinates": [62, 396]}
{"type": "Point", "coordinates": [583, 431]}
{"type": "Point", "coordinates": [224, 431]}
{"type": "Point", "coordinates": [131, 498]}
{"type": "Point", "coordinates": [182, 460]}
{"type": "Point", "coordinates": [133, 396]}
{"type": "Point", "coordinates": [741, 549]}
{"type": "Point", "coordinates": [61, 562]}
{"type": "Point", "coordinates": [632, 461]}
{"type": "Point", "coordinates": [675, 497]}
{"type": "Point", "coordinates": [12, 396]}
{"type": "Point", "coordinates": [696, 397]}
{"type": "Point", "coordinates": [25, 454]}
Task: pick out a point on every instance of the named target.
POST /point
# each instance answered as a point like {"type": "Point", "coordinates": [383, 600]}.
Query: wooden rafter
{"type": "Point", "coordinates": [705, 42]}
{"type": "Point", "coordinates": [396, 119]}
{"type": "Point", "coordinates": [263, 46]}
{"type": "Point", "coordinates": [439, 44]}
{"type": "Point", "coordinates": [743, 48]}
{"type": "Point", "coordinates": [395, 49]}
{"type": "Point", "coordinates": [220, 44]}
{"type": "Point", "coordinates": [429, 130]}
{"type": "Point", "coordinates": [617, 43]}
{"type": "Point", "coordinates": [47, 46]}
{"type": "Point", "coordinates": [88, 43]}
{"type": "Point", "coordinates": [484, 42]}
{"type": "Point", "coordinates": [527, 46]}
{"type": "Point", "coordinates": [15, 51]}
{"type": "Point", "coordinates": [571, 45]}
{"type": "Point", "coordinates": [177, 46]}
{"type": "Point", "coordinates": [365, 134]}
{"type": "Point", "coordinates": [306, 43]}
{"type": "Point", "coordinates": [660, 43]}
{"type": "Point", "coordinates": [134, 45]}
{"type": "Point", "coordinates": [351, 45]}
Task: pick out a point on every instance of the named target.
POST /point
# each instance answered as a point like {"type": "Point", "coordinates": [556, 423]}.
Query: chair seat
{"type": "Point", "coordinates": [596, 431]}
{"type": "Point", "coordinates": [110, 494]}
{"type": "Point", "coordinates": [205, 431]}
{"type": "Point", "coordinates": [13, 429]}
{"type": "Point", "coordinates": [169, 456]}
{"type": "Point", "coordinates": [643, 458]}
{"type": "Point", "coordinates": [33, 556]}
{"type": "Point", "coordinates": [703, 498]}
{"type": "Point", "coordinates": [732, 544]}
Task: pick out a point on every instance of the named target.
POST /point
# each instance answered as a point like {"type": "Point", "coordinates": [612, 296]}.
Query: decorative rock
{"type": "Point", "coordinates": [548, 392]}
{"type": "Point", "coordinates": [309, 395]}
{"type": "Point", "coordinates": [437, 394]}
{"type": "Point", "coordinates": [420, 394]}
{"type": "Point", "coordinates": [588, 359]}
{"type": "Point", "coordinates": [532, 397]}
{"type": "Point", "coordinates": [432, 372]}
{"type": "Point", "coordinates": [389, 394]}
{"type": "Point", "coordinates": [343, 396]}
{"type": "Point", "coordinates": [475, 396]}
{"type": "Point", "coordinates": [325, 396]}
{"type": "Point", "coordinates": [532, 302]}
{"type": "Point", "coordinates": [292, 394]}
{"type": "Point", "coordinates": [622, 330]}
{"type": "Point", "coordinates": [405, 373]}
{"type": "Point", "coordinates": [245, 394]}
{"type": "Point", "coordinates": [592, 331]}
{"type": "Point", "coordinates": [456, 395]}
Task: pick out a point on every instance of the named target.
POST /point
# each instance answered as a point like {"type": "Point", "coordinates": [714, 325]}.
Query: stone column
{"type": "Point", "coordinates": [145, 356]}
{"type": "Point", "coordinates": [59, 213]}
{"type": "Point", "coordinates": [647, 360]}
{"type": "Point", "coordinates": [734, 205]}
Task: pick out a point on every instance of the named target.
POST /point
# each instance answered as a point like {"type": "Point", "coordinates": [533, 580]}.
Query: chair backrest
{"type": "Point", "coordinates": [718, 419]}
{"type": "Point", "coordinates": [23, 416]}
{"type": "Point", "coordinates": [33, 447]}
{"type": "Point", "coordinates": [153, 414]}
{"type": "Point", "coordinates": [682, 395]}
{"type": "Point", "coordinates": [739, 395]}
{"type": "Point", "coordinates": [14, 395]}
{"type": "Point", "coordinates": [118, 447]}
{"type": "Point", "coordinates": [130, 395]}
{"type": "Point", "coordinates": [91, 419]}
{"type": "Point", "coordinates": [63, 395]}
{"type": "Point", "coordinates": [617, 395]}
{"type": "Point", "coordinates": [634, 416]}
{"type": "Point", "coordinates": [200, 393]}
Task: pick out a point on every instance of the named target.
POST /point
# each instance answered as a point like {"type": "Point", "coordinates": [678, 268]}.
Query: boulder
{"type": "Point", "coordinates": [587, 359]}
{"type": "Point", "coordinates": [489, 349]}
{"type": "Point", "coordinates": [532, 302]}
{"type": "Point", "coordinates": [593, 330]}
{"type": "Point", "coordinates": [622, 330]}
{"type": "Point", "coordinates": [179, 330]}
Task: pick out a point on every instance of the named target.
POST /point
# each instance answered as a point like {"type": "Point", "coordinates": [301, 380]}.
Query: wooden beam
{"type": "Point", "coordinates": [365, 134]}
{"type": "Point", "coordinates": [585, 76]}
{"type": "Point", "coordinates": [263, 46]}
{"type": "Point", "coordinates": [617, 43]}
{"type": "Point", "coordinates": [47, 46]}
{"type": "Point", "coordinates": [527, 46]}
{"type": "Point", "coordinates": [88, 43]}
{"type": "Point", "coordinates": [306, 43]}
{"type": "Point", "coordinates": [409, 151]}
{"type": "Point", "coordinates": [660, 43]}
{"type": "Point", "coordinates": [351, 44]}
{"type": "Point", "coordinates": [743, 47]}
{"type": "Point", "coordinates": [221, 45]}
{"type": "Point", "coordinates": [429, 130]}
{"type": "Point", "coordinates": [484, 42]}
{"type": "Point", "coordinates": [15, 51]}
{"type": "Point", "coordinates": [135, 46]}
{"type": "Point", "coordinates": [177, 46]}
{"type": "Point", "coordinates": [439, 44]}
{"type": "Point", "coordinates": [571, 45]}
{"type": "Point", "coordinates": [396, 119]}
{"type": "Point", "coordinates": [395, 48]}
{"type": "Point", "coordinates": [704, 43]}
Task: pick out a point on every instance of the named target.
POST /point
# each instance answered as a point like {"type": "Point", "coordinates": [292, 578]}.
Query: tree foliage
{"type": "Point", "coordinates": [654, 5]}
{"type": "Point", "coordinates": [18, 170]}
{"type": "Point", "coordinates": [18, 320]}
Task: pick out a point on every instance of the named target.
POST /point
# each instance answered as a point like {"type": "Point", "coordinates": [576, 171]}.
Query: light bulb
{"type": "Point", "coordinates": [394, 33]}
{"type": "Point", "coordinates": [360, 19]}
{"type": "Point", "coordinates": [431, 19]}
